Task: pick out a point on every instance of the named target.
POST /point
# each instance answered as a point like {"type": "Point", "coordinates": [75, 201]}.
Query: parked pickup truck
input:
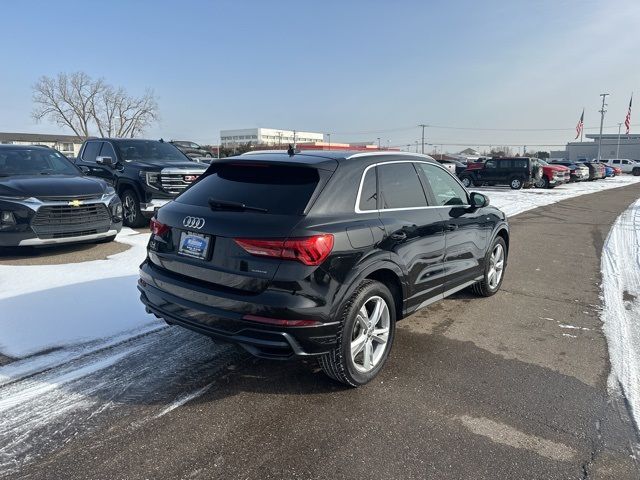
{"type": "Point", "coordinates": [552, 175]}
{"type": "Point", "coordinates": [578, 172]}
{"type": "Point", "coordinates": [146, 174]}
{"type": "Point", "coordinates": [626, 165]}
{"type": "Point", "coordinates": [517, 172]}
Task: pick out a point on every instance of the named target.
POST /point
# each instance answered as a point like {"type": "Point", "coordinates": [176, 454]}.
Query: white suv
{"type": "Point", "coordinates": [626, 165]}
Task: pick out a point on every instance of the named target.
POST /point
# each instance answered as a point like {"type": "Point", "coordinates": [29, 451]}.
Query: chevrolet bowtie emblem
{"type": "Point", "coordinates": [75, 203]}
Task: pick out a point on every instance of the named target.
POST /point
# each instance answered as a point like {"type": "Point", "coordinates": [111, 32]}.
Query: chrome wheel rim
{"type": "Point", "coordinates": [496, 266]}
{"type": "Point", "coordinates": [129, 208]}
{"type": "Point", "coordinates": [515, 183]}
{"type": "Point", "coordinates": [466, 182]}
{"type": "Point", "coordinates": [370, 334]}
{"type": "Point", "coordinates": [540, 183]}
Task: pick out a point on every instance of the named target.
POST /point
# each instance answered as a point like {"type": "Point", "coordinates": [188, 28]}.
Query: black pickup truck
{"type": "Point", "coordinates": [146, 174]}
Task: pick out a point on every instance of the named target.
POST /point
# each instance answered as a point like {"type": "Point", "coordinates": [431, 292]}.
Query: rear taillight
{"type": "Point", "coordinates": [308, 250]}
{"type": "Point", "coordinates": [158, 228]}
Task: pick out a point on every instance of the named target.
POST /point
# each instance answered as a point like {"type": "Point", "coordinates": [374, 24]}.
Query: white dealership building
{"type": "Point", "coordinates": [267, 136]}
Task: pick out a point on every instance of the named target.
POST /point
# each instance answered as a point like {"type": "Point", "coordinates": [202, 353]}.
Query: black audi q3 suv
{"type": "Point", "coordinates": [319, 253]}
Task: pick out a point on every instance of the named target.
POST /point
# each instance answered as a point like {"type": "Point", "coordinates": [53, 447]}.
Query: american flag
{"type": "Point", "coordinates": [580, 125]}
{"type": "Point", "coordinates": [627, 120]}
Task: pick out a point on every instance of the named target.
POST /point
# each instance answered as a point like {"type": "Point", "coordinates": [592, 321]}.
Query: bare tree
{"type": "Point", "coordinates": [80, 103]}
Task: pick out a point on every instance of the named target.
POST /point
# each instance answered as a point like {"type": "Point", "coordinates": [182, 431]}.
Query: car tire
{"type": "Point", "coordinates": [488, 286]}
{"type": "Point", "coordinates": [636, 172]}
{"type": "Point", "coordinates": [208, 155]}
{"type": "Point", "coordinates": [543, 182]}
{"type": "Point", "coordinates": [357, 333]}
{"type": "Point", "coordinates": [467, 181]}
{"type": "Point", "coordinates": [131, 214]}
{"type": "Point", "coordinates": [515, 183]}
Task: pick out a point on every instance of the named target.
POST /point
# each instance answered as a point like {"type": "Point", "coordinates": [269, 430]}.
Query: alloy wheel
{"type": "Point", "coordinates": [496, 266]}
{"type": "Point", "coordinates": [515, 183]}
{"type": "Point", "coordinates": [129, 207]}
{"type": "Point", "coordinates": [370, 334]}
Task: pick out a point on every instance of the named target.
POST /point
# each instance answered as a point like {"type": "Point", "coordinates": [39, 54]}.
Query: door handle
{"type": "Point", "coordinates": [450, 227]}
{"type": "Point", "coordinates": [398, 236]}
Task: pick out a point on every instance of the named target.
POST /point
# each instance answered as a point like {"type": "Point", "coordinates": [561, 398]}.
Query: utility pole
{"type": "Point", "coordinates": [618, 149]}
{"type": "Point", "coordinates": [417, 146]}
{"type": "Point", "coordinates": [329, 140]}
{"type": "Point", "coordinates": [602, 112]}
{"type": "Point", "coordinates": [378, 143]}
{"type": "Point", "coordinates": [294, 139]}
{"type": "Point", "coordinates": [423, 127]}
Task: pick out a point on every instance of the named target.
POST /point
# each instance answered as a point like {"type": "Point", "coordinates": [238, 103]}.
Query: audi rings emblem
{"type": "Point", "coordinates": [193, 222]}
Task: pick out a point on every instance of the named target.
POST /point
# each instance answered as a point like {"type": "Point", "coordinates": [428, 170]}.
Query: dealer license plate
{"type": "Point", "coordinates": [194, 245]}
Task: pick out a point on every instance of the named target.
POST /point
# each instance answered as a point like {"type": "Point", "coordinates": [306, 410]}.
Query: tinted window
{"type": "Point", "coordinates": [400, 186]}
{"type": "Point", "coordinates": [505, 164]}
{"type": "Point", "coordinates": [490, 164]}
{"type": "Point", "coordinates": [107, 151]}
{"type": "Point", "coordinates": [368, 194]}
{"type": "Point", "coordinates": [148, 150]}
{"type": "Point", "coordinates": [521, 163]}
{"type": "Point", "coordinates": [35, 162]}
{"type": "Point", "coordinates": [445, 188]}
{"type": "Point", "coordinates": [282, 190]}
{"type": "Point", "coordinates": [616, 162]}
{"type": "Point", "coordinates": [90, 152]}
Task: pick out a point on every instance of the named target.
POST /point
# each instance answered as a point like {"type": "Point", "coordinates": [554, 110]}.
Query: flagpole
{"type": "Point", "coordinates": [582, 129]}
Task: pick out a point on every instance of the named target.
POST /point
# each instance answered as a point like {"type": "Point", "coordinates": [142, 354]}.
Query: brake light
{"type": "Point", "coordinates": [281, 321]}
{"type": "Point", "coordinates": [308, 250]}
{"type": "Point", "coordinates": [158, 228]}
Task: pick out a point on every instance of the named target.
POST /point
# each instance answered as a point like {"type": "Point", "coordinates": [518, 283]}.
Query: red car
{"type": "Point", "coordinates": [553, 175]}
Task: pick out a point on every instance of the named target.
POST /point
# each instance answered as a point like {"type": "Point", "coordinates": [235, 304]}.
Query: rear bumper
{"type": "Point", "coordinates": [225, 319]}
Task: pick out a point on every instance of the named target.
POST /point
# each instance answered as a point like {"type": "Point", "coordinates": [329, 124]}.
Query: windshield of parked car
{"type": "Point", "coordinates": [37, 161]}
{"type": "Point", "coordinates": [137, 150]}
{"type": "Point", "coordinates": [542, 162]}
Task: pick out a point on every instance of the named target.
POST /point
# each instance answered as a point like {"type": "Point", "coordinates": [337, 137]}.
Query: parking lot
{"type": "Point", "coordinates": [515, 383]}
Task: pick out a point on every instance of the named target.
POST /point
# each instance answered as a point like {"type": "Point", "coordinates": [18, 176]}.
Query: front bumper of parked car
{"type": "Point", "coordinates": [41, 222]}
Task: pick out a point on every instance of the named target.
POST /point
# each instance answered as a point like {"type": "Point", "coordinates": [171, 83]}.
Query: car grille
{"type": "Point", "coordinates": [62, 221]}
{"type": "Point", "coordinates": [176, 183]}
{"type": "Point", "coordinates": [92, 196]}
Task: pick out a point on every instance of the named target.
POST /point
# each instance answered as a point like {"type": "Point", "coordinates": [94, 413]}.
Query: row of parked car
{"type": "Point", "coordinates": [47, 199]}
{"type": "Point", "coordinates": [526, 172]}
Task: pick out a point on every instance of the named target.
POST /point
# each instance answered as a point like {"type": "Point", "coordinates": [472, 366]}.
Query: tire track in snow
{"type": "Point", "coordinates": [134, 380]}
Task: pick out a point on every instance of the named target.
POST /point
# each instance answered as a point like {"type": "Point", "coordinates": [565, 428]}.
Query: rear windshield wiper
{"type": "Point", "coordinates": [226, 205]}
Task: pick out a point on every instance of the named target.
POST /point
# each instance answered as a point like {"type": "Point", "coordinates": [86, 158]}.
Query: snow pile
{"type": "Point", "coordinates": [53, 306]}
{"type": "Point", "coordinates": [621, 314]}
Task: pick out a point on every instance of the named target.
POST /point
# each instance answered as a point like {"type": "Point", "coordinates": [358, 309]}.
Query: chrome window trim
{"type": "Point", "coordinates": [357, 206]}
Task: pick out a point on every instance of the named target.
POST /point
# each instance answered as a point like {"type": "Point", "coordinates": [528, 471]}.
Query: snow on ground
{"type": "Point", "coordinates": [56, 306]}
{"type": "Point", "coordinates": [621, 312]}
{"type": "Point", "coordinates": [513, 202]}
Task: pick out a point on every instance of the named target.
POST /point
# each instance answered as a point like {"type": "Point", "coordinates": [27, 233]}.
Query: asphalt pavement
{"type": "Point", "coordinates": [509, 387]}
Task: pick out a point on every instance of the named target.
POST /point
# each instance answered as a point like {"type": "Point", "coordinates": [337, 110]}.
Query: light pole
{"type": "Point", "coordinates": [388, 144]}
{"type": "Point", "coordinates": [602, 112]}
{"type": "Point", "coordinates": [378, 143]}
{"type": "Point", "coordinates": [423, 127]}
{"type": "Point", "coordinates": [618, 148]}
{"type": "Point", "coordinates": [329, 140]}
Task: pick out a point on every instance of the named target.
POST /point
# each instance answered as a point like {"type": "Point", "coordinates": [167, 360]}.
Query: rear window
{"type": "Point", "coordinates": [281, 190]}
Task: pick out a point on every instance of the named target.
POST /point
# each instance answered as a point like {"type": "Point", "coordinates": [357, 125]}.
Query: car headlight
{"type": "Point", "coordinates": [151, 178]}
{"type": "Point", "coordinates": [108, 193]}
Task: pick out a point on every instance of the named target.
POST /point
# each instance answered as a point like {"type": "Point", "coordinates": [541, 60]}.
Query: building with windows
{"type": "Point", "coordinates": [68, 145]}
{"type": "Point", "coordinates": [267, 136]}
{"type": "Point", "coordinates": [629, 147]}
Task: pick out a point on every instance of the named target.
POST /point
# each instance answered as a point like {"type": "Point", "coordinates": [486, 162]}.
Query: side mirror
{"type": "Point", "coordinates": [479, 200]}
{"type": "Point", "coordinates": [105, 161]}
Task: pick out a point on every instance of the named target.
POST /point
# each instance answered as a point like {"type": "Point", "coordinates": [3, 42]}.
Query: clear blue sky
{"type": "Point", "coordinates": [336, 66]}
